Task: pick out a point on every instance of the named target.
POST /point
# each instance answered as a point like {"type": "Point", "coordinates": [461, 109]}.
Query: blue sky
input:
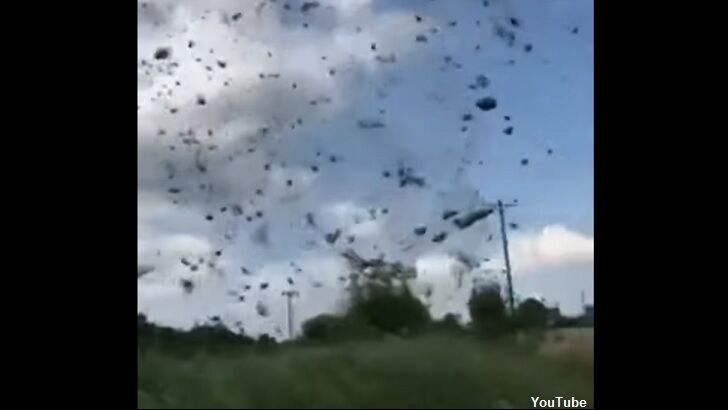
{"type": "Point", "coordinates": [420, 99]}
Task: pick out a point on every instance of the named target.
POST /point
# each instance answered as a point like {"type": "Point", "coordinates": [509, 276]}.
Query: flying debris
{"type": "Point", "coordinates": [439, 237]}
{"type": "Point", "coordinates": [261, 309]}
{"type": "Point", "coordinates": [514, 22]}
{"type": "Point", "coordinates": [549, 151]}
{"type": "Point", "coordinates": [575, 30]}
{"type": "Point", "coordinates": [374, 46]}
{"type": "Point", "coordinates": [241, 298]}
{"type": "Point", "coordinates": [486, 103]}
{"type": "Point", "coordinates": [185, 262]}
{"type": "Point", "coordinates": [418, 18]}
{"type": "Point", "coordinates": [448, 214]}
{"type": "Point", "coordinates": [260, 236]}
{"type": "Point", "coordinates": [221, 64]}
{"type": "Point", "coordinates": [174, 190]}
{"type": "Point", "coordinates": [408, 179]}
{"type": "Point", "coordinates": [290, 281]}
{"type": "Point", "coordinates": [309, 5]}
{"type": "Point", "coordinates": [421, 38]}
{"type": "Point", "coordinates": [508, 130]}
{"type": "Point", "coordinates": [370, 124]}
{"type": "Point", "coordinates": [193, 268]}
{"type": "Point", "coordinates": [209, 217]}
{"type": "Point", "coordinates": [528, 47]}
{"type": "Point", "coordinates": [386, 174]}
{"type": "Point", "coordinates": [372, 214]}
{"type": "Point", "coordinates": [420, 230]}
{"type": "Point", "coordinates": [467, 260]}
{"type": "Point", "coordinates": [388, 59]}
{"type": "Point", "coordinates": [350, 239]}
{"type": "Point", "coordinates": [507, 117]}
{"type": "Point", "coordinates": [310, 220]}
{"type": "Point", "coordinates": [331, 238]}
{"type": "Point", "coordinates": [143, 270]}
{"type": "Point", "coordinates": [187, 285]}
{"type": "Point", "coordinates": [237, 16]}
{"type": "Point", "coordinates": [162, 53]}
{"type": "Point", "coordinates": [524, 161]}
{"type": "Point", "coordinates": [471, 218]}
{"type": "Point", "coordinates": [509, 37]}
{"type": "Point", "coordinates": [482, 81]}
{"type": "Point", "coordinates": [264, 286]}
{"type": "Point", "coordinates": [467, 117]}
{"type": "Point", "coordinates": [513, 225]}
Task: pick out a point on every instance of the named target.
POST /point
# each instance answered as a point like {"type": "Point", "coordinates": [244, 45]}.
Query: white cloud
{"type": "Point", "coordinates": [421, 132]}
{"type": "Point", "coordinates": [553, 246]}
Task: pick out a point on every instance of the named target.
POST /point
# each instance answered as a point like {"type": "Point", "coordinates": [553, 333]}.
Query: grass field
{"type": "Point", "coordinates": [436, 371]}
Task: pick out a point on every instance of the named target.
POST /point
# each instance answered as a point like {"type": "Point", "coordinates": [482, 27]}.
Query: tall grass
{"type": "Point", "coordinates": [431, 371]}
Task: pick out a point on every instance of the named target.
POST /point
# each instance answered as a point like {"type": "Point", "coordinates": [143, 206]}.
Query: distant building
{"type": "Point", "coordinates": [553, 314]}
{"type": "Point", "coordinates": [588, 315]}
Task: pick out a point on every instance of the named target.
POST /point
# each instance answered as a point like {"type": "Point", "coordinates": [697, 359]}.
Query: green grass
{"type": "Point", "coordinates": [436, 371]}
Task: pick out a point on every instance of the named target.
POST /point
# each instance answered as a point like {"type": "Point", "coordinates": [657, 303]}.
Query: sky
{"type": "Point", "coordinates": [253, 115]}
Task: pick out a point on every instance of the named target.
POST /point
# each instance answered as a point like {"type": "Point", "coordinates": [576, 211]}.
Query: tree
{"type": "Point", "coordinates": [488, 312]}
{"type": "Point", "coordinates": [531, 313]}
{"type": "Point", "coordinates": [381, 297]}
{"type": "Point", "coordinates": [327, 327]}
{"type": "Point", "coordinates": [391, 310]}
{"type": "Point", "coordinates": [321, 327]}
{"type": "Point", "coordinates": [450, 323]}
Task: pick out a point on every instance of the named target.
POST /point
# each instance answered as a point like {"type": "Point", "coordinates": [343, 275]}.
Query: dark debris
{"type": "Point", "coordinates": [486, 103]}
{"type": "Point", "coordinates": [471, 218]}
{"type": "Point", "coordinates": [440, 237]}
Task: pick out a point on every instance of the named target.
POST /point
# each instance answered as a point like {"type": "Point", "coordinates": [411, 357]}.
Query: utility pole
{"type": "Point", "coordinates": [504, 236]}
{"type": "Point", "coordinates": [289, 294]}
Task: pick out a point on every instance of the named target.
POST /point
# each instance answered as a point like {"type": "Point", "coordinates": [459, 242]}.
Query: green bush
{"type": "Point", "coordinates": [488, 313]}
{"type": "Point", "coordinates": [391, 310]}
{"type": "Point", "coordinates": [531, 313]}
{"type": "Point", "coordinates": [338, 328]}
{"type": "Point", "coordinates": [448, 324]}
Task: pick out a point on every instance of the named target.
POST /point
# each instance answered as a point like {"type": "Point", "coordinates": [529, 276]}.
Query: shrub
{"type": "Point", "coordinates": [391, 310]}
{"type": "Point", "coordinates": [531, 313]}
{"type": "Point", "coordinates": [488, 312]}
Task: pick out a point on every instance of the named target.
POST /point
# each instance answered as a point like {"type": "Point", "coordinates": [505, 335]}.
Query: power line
{"type": "Point", "coordinates": [504, 237]}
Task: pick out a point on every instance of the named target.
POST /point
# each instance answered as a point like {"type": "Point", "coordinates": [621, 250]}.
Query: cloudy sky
{"type": "Point", "coordinates": [263, 126]}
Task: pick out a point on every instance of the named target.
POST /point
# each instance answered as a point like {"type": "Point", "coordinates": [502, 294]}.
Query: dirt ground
{"type": "Point", "coordinates": [574, 344]}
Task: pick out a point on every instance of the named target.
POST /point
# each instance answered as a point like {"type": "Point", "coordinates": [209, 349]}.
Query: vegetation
{"type": "Point", "coordinates": [384, 351]}
{"type": "Point", "coordinates": [429, 371]}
